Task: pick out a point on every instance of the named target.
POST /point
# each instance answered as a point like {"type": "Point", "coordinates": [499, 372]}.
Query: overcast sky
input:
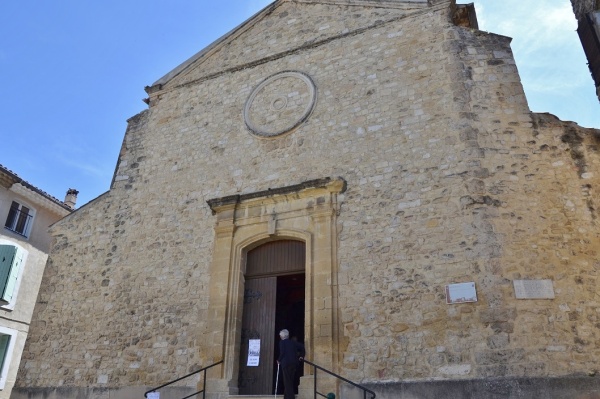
{"type": "Point", "coordinates": [73, 72]}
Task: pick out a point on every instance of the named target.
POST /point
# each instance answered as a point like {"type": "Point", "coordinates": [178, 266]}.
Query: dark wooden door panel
{"type": "Point", "coordinates": [258, 322]}
{"type": "Point", "coordinates": [263, 265]}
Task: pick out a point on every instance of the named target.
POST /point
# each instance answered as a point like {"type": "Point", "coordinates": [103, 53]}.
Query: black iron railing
{"type": "Point", "coordinates": [18, 220]}
{"type": "Point", "coordinates": [202, 391]}
{"type": "Point", "coordinates": [366, 391]}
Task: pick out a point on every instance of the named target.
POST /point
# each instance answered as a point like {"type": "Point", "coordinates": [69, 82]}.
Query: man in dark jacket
{"type": "Point", "coordinates": [290, 353]}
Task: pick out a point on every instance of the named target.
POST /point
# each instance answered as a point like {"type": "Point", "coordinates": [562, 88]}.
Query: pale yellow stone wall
{"type": "Point", "coordinates": [449, 179]}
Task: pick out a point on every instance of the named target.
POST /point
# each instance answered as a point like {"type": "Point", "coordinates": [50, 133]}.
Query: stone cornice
{"type": "Point", "coordinates": [328, 184]}
{"type": "Point", "coordinates": [402, 4]}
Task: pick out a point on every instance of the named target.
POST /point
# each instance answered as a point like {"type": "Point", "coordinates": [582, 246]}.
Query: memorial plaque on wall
{"type": "Point", "coordinates": [533, 289]}
{"type": "Point", "coordinates": [461, 293]}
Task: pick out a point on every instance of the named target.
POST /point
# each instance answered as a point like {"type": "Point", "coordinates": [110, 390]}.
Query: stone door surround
{"type": "Point", "coordinates": [305, 212]}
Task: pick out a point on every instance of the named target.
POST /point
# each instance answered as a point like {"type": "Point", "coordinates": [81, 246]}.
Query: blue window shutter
{"type": "Point", "coordinates": [4, 342]}
{"type": "Point", "coordinates": [11, 284]}
{"type": "Point", "coordinates": [7, 255]}
{"type": "Point", "coordinates": [10, 264]}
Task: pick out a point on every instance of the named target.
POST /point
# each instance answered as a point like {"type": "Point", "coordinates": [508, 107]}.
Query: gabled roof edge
{"type": "Point", "coordinates": [158, 85]}
{"type": "Point", "coordinates": [180, 68]}
{"type": "Point", "coordinates": [15, 179]}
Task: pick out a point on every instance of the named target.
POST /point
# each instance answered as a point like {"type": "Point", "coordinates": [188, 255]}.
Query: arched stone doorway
{"type": "Point", "coordinates": [273, 299]}
{"type": "Point", "coordinates": [306, 213]}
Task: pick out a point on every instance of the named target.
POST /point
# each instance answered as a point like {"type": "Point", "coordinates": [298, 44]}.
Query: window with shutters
{"type": "Point", "coordinates": [11, 265]}
{"type": "Point", "coordinates": [19, 219]}
{"type": "Point", "coordinates": [8, 337]}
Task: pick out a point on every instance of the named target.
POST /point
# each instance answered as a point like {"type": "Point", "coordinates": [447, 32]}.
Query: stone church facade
{"type": "Point", "coordinates": [347, 167]}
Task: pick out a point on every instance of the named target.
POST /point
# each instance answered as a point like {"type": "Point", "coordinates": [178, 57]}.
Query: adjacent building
{"type": "Point", "coordinates": [587, 13]}
{"type": "Point", "coordinates": [364, 173]}
{"type": "Point", "coordinates": [26, 213]}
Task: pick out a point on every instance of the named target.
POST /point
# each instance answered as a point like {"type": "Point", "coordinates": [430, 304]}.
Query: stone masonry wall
{"type": "Point", "coordinates": [449, 179]}
{"type": "Point", "coordinates": [521, 177]}
{"type": "Point", "coordinates": [581, 7]}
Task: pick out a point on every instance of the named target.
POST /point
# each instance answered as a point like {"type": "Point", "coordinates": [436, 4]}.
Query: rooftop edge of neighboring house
{"type": "Point", "coordinates": [9, 179]}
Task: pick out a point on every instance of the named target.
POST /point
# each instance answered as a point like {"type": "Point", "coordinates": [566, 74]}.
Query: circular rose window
{"type": "Point", "coordinates": [280, 104]}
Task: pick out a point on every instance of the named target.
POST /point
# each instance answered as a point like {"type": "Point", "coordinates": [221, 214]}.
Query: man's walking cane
{"type": "Point", "coordinates": [277, 379]}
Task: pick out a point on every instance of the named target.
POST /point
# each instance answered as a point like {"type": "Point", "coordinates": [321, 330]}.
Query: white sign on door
{"type": "Point", "coordinates": [253, 352]}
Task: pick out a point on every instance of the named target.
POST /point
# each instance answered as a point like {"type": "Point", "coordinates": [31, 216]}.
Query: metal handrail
{"type": "Point", "coordinates": [317, 367]}
{"type": "Point", "coordinates": [186, 376]}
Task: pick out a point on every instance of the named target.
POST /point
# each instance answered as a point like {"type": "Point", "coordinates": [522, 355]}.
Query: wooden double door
{"type": "Point", "coordinates": [273, 300]}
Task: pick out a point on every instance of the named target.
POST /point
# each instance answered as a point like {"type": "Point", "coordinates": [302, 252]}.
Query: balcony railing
{"type": "Point", "coordinates": [19, 221]}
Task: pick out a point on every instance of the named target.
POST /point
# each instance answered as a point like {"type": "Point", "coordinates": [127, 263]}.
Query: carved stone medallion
{"type": "Point", "coordinates": [280, 103]}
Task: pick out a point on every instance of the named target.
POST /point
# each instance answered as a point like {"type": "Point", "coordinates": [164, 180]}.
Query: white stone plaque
{"type": "Point", "coordinates": [253, 352]}
{"type": "Point", "coordinates": [461, 293]}
{"type": "Point", "coordinates": [533, 289]}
